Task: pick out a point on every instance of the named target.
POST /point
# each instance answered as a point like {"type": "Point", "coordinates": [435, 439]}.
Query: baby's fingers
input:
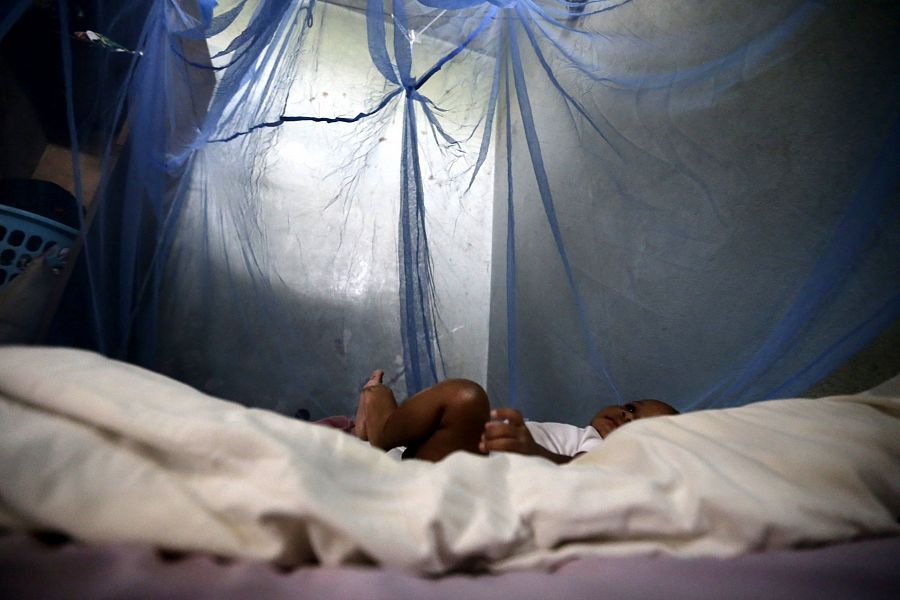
{"type": "Point", "coordinates": [508, 415]}
{"type": "Point", "coordinates": [500, 445]}
{"type": "Point", "coordinates": [498, 429]}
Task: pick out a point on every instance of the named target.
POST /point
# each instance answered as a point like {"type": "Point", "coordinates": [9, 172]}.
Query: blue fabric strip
{"type": "Point", "coordinates": [377, 36]}
{"type": "Point", "coordinates": [540, 173]}
{"type": "Point", "coordinates": [549, 72]}
{"type": "Point", "coordinates": [488, 123]}
{"type": "Point", "coordinates": [416, 287]}
{"type": "Point", "coordinates": [402, 44]}
{"type": "Point", "coordinates": [66, 50]}
{"type": "Point", "coordinates": [512, 357]}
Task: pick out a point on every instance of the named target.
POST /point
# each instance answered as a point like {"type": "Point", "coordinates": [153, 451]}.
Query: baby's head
{"type": "Point", "coordinates": [613, 417]}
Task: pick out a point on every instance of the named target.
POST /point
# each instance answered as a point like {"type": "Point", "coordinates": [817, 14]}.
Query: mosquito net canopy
{"type": "Point", "coordinates": [571, 202]}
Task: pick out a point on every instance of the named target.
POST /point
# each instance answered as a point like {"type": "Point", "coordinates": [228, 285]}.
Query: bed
{"type": "Point", "coordinates": [151, 488]}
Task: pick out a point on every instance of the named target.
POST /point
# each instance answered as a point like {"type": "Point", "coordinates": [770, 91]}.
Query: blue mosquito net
{"type": "Point", "coordinates": [573, 203]}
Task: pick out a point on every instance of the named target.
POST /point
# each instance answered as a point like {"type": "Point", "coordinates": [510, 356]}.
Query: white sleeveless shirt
{"type": "Point", "coordinates": [563, 438]}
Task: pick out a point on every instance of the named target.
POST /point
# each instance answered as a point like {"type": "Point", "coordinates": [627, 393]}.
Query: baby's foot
{"type": "Point", "coordinates": [360, 428]}
{"type": "Point", "coordinates": [378, 405]}
{"type": "Point", "coordinates": [375, 379]}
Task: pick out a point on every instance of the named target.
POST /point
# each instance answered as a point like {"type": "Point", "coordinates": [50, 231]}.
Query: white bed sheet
{"type": "Point", "coordinates": [109, 452]}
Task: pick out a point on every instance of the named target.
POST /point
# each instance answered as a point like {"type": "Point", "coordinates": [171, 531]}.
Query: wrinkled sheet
{"type": "Point", "coordinates": [111, 453]}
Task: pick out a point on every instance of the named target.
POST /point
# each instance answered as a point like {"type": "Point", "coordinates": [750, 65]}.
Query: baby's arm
{"type": "Point", "coordinates": [506, 432]}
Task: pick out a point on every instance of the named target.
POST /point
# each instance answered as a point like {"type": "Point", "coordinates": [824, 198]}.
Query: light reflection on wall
{"type": "Point", "coordinates": [327, 221]}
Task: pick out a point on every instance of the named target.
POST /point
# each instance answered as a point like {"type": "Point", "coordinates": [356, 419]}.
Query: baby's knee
{"type": "Point", "coordinates": [467, 394]}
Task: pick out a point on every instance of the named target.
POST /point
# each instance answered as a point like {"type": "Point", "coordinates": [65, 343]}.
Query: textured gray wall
{"type": "Point", "coordinates": [874, 364]}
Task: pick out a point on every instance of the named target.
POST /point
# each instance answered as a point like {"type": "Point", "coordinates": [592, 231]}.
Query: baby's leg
{"type": "Point", "coordinates": [446, 417]}
{"type": "Point", "coordinates": [376, 402]}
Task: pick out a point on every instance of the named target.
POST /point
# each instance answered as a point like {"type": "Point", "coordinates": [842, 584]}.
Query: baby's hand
{"type": "Point", "coordinates": [506, 432]}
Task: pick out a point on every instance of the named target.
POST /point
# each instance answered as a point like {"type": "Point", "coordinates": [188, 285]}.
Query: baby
{"type": "Point", "coordinates": [455, 415]}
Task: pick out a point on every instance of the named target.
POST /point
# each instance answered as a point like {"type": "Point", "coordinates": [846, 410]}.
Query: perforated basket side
{"type": "Point", "coordinates": [25, 236]}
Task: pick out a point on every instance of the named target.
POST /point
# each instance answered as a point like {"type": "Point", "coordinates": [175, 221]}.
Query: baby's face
{"type": "Point", "coordinates": [612, 417]}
